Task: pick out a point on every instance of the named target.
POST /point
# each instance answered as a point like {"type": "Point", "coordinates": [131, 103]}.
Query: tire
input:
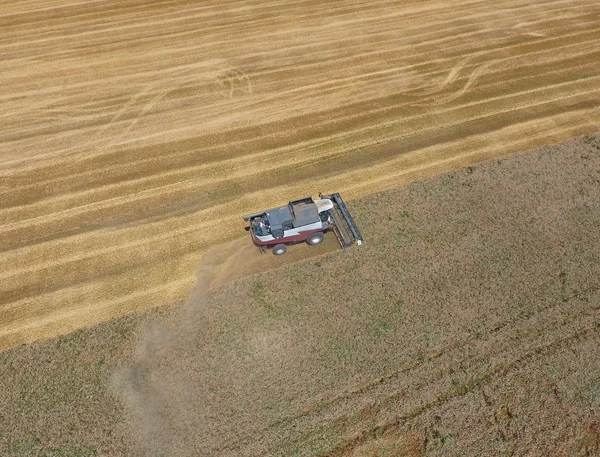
{"type": "Point", "coordinates": [315, 238]}
{"type": "Point", "coordinates": [279, 249]}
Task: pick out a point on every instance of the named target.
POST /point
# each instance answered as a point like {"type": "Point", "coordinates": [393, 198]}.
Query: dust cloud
{"type": "Point", "coordinates": [166, 389]}
{"type": "Point", "coordinates": [158, 399]}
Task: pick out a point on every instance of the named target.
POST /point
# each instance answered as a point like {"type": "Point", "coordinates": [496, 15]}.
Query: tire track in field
{"type": "Point", "coordinates": [142, 162]}
{"type": "Point", "coordinates": [499, 333]}
{"type": "Point", "coordinates": [119, 119]}
{"type": "Point", "coordinates": [479, 364]}
{"type": "Point", "coordinates": [472, 80]}
{"type": "Point", "coordinates": [476, 384]}
{"type": "Point", "coordinates": [251, 158]}
{"type": "Point", "coordinates": [135, 245]}
{"type": "Point", "coordinates": [136, 242]}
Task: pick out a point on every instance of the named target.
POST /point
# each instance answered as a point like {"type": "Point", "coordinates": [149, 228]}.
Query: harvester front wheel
{"type": "Point", "coordinates": [279, 249]}
{"type": "Point", "coordinates": [315, 238]}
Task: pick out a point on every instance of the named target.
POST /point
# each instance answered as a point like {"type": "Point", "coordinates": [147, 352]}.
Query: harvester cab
{"type": "Point", "coordinates": [301, 220]}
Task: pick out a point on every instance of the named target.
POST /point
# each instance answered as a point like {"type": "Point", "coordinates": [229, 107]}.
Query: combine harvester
{"type": "Point", "coordinates": [301, 220]}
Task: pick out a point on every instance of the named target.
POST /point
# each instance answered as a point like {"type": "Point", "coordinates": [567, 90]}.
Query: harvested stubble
{"type": "Point", "coordinates": [135, 133]}
{"type": "Point", "coordinates": [468, 324]}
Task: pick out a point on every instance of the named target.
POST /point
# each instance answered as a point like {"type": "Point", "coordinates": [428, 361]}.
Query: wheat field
{"type": "Point", "coordinates": [136, 134]}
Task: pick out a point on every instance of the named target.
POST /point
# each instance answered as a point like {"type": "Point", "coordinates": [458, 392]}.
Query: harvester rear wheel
{"type": "Point", "coordinates": [279, 249]}
{"type": "Point", "coordinates": [315, 238]}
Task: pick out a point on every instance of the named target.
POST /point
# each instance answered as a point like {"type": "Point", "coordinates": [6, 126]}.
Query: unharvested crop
{"type": "Point", "coordinates": [467, 324]}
